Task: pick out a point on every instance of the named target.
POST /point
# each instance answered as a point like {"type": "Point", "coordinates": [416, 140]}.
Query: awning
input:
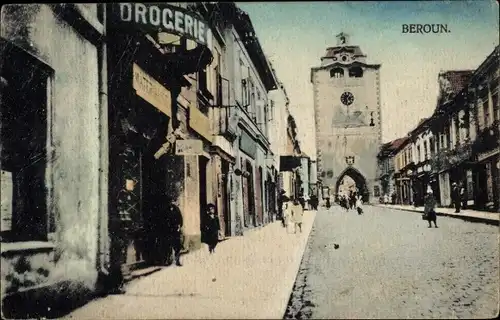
{"type": "Point", "coordinates": [288, 163]}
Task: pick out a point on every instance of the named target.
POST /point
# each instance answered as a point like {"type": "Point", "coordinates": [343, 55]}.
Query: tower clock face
{"type": "Point", "coordinates": [347, 98]}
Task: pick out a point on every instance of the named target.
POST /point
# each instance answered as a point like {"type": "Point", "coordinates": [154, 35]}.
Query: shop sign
{"type": "Point", "coordinates": [189, 147]}
{"type": "Point", "coordinates": [161, 17]}
{"type": "Point", "coordinates": [151, 90]}
{"type": "Point", "coordinates": [6, 200]}
{"type": "Point", "coordinates": [248, 145]}
{"type": "Point", "coordinates": [200, 123]}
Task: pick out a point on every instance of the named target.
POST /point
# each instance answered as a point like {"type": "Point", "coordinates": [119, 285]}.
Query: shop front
{"type": "Point", "coordinates": [146, 120]}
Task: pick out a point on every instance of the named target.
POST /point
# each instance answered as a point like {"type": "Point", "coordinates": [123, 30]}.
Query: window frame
{"type": "Point", "coordinates": [47, 73]}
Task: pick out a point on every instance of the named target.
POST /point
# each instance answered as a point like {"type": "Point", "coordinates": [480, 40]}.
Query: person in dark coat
{"type": "Point", "coordinates": [430, 209]}
{"type": "Point", "coordinates": [211, 227]}
{"type": "Point", "coordinates": [173, 230]}
{"type": "Point", "coordinates": [281, 200]}
{"type": "Point", "coordinates": [455, 196]}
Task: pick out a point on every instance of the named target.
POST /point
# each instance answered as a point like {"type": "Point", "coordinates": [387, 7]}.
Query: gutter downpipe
{"type": "Point", "coordinates": [103, 240]}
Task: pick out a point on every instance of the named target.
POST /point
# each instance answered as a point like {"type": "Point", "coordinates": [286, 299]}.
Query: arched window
{"type": "Point", "coordinates": [337, 73]}
{"type": "Point", "coordinates": [355, 72]}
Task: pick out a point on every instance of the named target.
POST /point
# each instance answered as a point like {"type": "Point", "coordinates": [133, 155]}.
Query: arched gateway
{"type": "Point", "coordinates": [359, 180]}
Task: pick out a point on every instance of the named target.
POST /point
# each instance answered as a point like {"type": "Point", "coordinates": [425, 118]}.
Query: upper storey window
{"type": "Point", "coordinates": [355, 72]}
{"type": "Point", "coordinates": [337, 73]}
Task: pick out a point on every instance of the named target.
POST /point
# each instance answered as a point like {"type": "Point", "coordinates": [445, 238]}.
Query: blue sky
{"type": "Point", "coordinates": [295, 35]}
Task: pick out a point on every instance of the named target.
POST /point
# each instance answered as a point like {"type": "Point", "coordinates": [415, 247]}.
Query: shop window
{"type": "Point", "coordinates": [337, 73]}
{"type": "Point", "coordinates": [25, 101]}
{"type": "Point", "coordinates": [355, 72]}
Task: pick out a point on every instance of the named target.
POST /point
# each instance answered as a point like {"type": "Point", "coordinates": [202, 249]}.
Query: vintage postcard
{"type": "Point", "coordinates": [250, 160]}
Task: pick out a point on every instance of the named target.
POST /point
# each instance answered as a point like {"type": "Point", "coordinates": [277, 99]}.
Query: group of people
{"type": "Point", "coordinates": [353, 201]}
{"type": "Point", "coordinates": [169, 237]}
{"type": "Point", "coordinates": [292, 214]}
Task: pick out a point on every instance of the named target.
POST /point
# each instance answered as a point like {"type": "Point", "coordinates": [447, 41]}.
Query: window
{"type": "Point", "coordinates": [24, 103]}
{"type": "Point", "coordinates": [426, 155]}
{"type": "Point", "coordinates": [486, 113]}
{"type": "Point", "coordinates": [329, 174]}
{"type": "Point", "coordinates": [337, 73]}
{"type": "Point", "coordinates": [355, 72]}
{"type": "Point", "coordinates": [496, 107]}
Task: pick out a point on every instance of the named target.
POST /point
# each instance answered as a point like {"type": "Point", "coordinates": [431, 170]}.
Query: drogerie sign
{"type": "Point", "coordinates": [168, 18]}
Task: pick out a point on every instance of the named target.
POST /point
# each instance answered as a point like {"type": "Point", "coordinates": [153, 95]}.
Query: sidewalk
{"type": "Point", "coordinates": [248, 277]}
{"type": "Point", "coordinates": [468, 215]}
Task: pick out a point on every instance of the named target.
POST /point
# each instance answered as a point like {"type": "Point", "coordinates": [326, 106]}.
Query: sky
{"type": "Point", "coordinates": [295, 35]}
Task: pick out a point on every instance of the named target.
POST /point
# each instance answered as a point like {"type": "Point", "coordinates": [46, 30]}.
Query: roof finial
{"type": "Point", "coordinates": [342, 39]}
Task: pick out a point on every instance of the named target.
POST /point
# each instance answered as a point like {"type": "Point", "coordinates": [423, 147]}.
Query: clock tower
{"type": "Point", "coordinates": [346, 90]}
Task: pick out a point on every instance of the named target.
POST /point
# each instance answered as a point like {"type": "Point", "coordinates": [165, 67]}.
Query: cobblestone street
{"type": "Point", "coordinates": [390, 265]}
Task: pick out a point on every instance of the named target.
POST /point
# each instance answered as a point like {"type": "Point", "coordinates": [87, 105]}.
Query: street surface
{"type": "Point", "coordinates": [390, 265]}
{"type": "Point", "coordinates": [248, 277]}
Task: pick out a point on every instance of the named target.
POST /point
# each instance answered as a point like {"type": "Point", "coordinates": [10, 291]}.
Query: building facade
{"type": "Point", "coordinates": [347, 114]}
{"type": "Point", "coordinates": [54, 123]}
{"type": "Point", "coordinates": [386, 168]}
{"type": "Point", "coordinates": [466, 127]}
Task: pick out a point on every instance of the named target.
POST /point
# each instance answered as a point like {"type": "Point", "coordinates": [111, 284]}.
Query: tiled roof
{"type": "Point", "coordinates": [395, 144]}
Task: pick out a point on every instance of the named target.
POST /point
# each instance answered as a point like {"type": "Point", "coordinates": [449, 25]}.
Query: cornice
{"type": "Point", "coordinates": [352, 64]}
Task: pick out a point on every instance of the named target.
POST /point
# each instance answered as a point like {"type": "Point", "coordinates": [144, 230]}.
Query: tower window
{"type": "Point", "coordinates": [337, 73]}
{"type": "Point", "coordinates": [329, 174]}
{"type": "Point", "coordinates": [355, 72]}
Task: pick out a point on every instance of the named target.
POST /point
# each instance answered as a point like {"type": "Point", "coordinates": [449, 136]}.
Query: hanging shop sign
{"type": "Point", "coordinates": [161, 17]}
{"type": "Point", "coordinates": [151, 90]}
{"type": "Point", "coordinates": [189, 147]}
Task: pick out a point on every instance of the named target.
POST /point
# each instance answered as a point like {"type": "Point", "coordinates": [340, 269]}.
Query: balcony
{"type": "Point", "coordinates": [447, 158]}
{"type": "Point", "coordinates": [487, 139]}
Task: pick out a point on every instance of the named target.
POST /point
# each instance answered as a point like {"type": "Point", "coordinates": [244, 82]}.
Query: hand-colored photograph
{"type": "Point", "coordinates": [250, 160]}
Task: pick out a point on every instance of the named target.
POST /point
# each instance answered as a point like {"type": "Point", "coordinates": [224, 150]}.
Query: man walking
{"type": "Point", "coordinates": [174, 233]}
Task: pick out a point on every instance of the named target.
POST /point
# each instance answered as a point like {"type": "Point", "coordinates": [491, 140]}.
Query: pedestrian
{"type": "Point", "coordinates": [281, 201]}
{"type": "Point", "coordinates": [287, 211]}
{"type": "Point", "coordinates": [328, 204]}
{"type": "Point", "coordinates": [359, 205]}
{"type": "Point", "coordinates": [430, 209]}
{"type": "Point", "coordinates": [463, 196]}
{"type": "Point", "coordinates": [211, 227]}
{"type": "Point", "coordinates": [297, 212]}
{"type": "Point", "coordinates": [174, 233]}
{"type": "Point", "coordinates": [455, 196]}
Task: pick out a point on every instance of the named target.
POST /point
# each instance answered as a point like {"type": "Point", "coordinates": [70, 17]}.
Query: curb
{"type": "Point", "coordinates": [472, 219]}
{"type": "Point", "coordinates": [293, 270]}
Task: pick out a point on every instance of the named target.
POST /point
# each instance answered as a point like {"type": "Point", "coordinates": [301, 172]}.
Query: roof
{"type": "Point", "coordinates": [452, 82]}
{"type": "Point", "coordinates": [395, 144]}
{"type": "Point", "coordinates": [331, 51]}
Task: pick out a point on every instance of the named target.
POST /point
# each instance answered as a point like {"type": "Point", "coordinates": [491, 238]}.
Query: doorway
{"type": "Point", "coordinates": [226, 199]}
{"type": "Point", "coordinates": [202, 165]}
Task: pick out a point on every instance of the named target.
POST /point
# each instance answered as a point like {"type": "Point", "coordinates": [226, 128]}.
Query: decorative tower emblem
{"type": "Point", "coordinates": [342, 39]}
{"type": "Point", "coordinates": [349, 160]}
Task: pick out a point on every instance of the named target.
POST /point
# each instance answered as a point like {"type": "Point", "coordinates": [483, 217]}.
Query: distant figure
{"type": "Point", "coordinates": [386, 199]}
{"type": "Point", "coordinates": [455, 196]}
{"type": "Point", "coordinates": [173, 230]}
{"type": "Point", "coordinates": [359, 205]}
{"type": "Point", "coordinates": [211, 227]}
{"type": "Point", "coordinates": [314, 202]}
{"type": "Point", "coordinates": [463, 196]}
{"type": "Point", "coordinates": [287, 212]}
{"type": "Point", "coordinates": [328, 204]}
{"type": "Point", "coordinates": [430, 209]}
{"type": "Point", "coordinates": [297, 212]}
{"type": "Point", "coordinates": [281, 200]}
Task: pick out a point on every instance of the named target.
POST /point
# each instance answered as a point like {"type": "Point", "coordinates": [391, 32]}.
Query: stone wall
{"type": "Point", "coordinates": [74, 120]}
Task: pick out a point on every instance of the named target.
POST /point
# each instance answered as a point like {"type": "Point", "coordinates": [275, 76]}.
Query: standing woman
{"type": "Point", "coordinates": [211, 227]}
{"type": "Point", "coordinates": [359, 205]}
{"type": "Point", "coordinates": [429, 209]}
{"type": "Point", "coordinates": [297, 215]}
